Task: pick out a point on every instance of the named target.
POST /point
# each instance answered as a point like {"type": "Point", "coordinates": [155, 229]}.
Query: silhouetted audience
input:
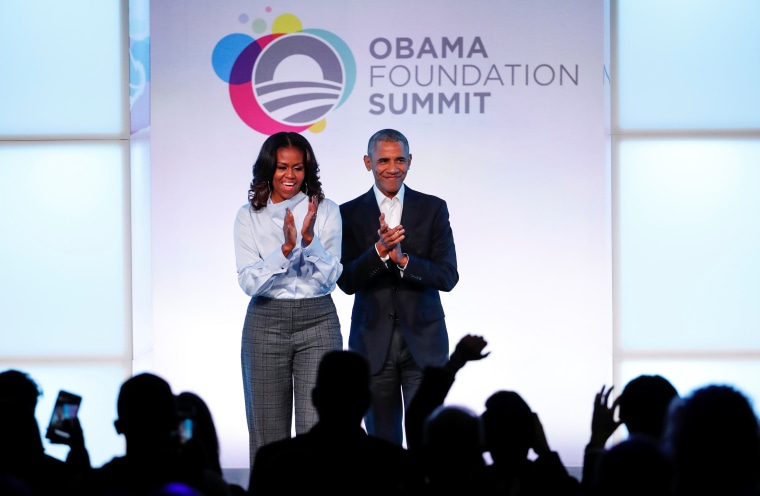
{"type": "Point", "coordinates": [18, 386]}
{"type": "Point", "coordinates": [436, 384]}
{"type": "Point", "coordinates": [634, 467]}
{"type": "Point", "coordinates": [24, 465]}
{"type": "Point", "coordinates": [147, 417]}
{"type": "Point", "coordinates": [23, 462]}
{"type": "Point", "coordinates": [445, 440]}
{"type": "Point", "coordinates": [200, 444]}
{"type": "Point", "coordinates": [642, 407]}
{"type": "Point", "coordinates": [199, 441]}
{"type": "Point", "coordinates": [451, 452]}
{"type": "Point", "coordinates": [712, 440]}
{"type": "Point", "coordinates": [511, 430]}
{"type": "Point", "coordinates": [705, 443]}
{"type": "Point", "coordinates": [336, 456]}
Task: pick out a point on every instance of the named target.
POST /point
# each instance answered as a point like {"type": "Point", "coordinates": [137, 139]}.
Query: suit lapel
{"type": "Point", "coordinates": [412, 212]}
{"type": "Point", "coordinates": [368, 214]}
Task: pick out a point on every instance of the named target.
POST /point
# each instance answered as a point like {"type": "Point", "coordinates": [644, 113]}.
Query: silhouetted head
{"type": "Point", "coordinates": [342, 392]}
{"type": "Point", "coordinates": [712, 439]}
{"type": "Point", "coordinates": [20, 387]}
{"type": "Point", "coordinates": [20, 440]}
{"type": "Point", "coordinates": [204, 435]}
{"type": "Point", "coordinates": [452, 447]}
{"type": "Point", "coordinates": [146, 408]}
{"type": "Point", "coordinates": [644, 405]}
{"type": "Point", "coordinates": [508, 426]}
{"type": "Point", "coordinates": [634, 467]}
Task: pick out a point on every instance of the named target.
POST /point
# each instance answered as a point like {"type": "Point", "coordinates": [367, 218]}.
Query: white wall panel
{"type": "Point", "coordinates": [687, 65]}
{"type": "Point", "coordinates": [63, 66]}
{"type": "Point", "coordinates": [65, 255]}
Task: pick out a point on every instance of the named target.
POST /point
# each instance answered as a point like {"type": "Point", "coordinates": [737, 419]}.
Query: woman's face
{"type": "Point", "coordinates": [289, 174]}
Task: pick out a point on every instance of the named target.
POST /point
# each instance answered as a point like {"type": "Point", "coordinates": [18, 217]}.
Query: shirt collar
{"type": "Point", "coordinates": [380, 197]}
{"type": "Point", "coordinates": [277, 210]}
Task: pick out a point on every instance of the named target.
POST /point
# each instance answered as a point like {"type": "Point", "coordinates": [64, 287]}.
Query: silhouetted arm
{"type": "Point", "coordinates": [551, 471]}
{"type": "Point", "coordinates": [603, 425]}
{"type": "Point", "coordinates": [78, 459]}
{"type": "Point", "coordinates": [435, 386]}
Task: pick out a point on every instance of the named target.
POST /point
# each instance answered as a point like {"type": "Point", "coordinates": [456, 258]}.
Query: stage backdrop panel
{"type": "Point", "coordinates": [503, 105]}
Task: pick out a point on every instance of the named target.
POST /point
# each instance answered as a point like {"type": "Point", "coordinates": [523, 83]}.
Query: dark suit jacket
{"type": "Point", "coordinates": [382, 295]}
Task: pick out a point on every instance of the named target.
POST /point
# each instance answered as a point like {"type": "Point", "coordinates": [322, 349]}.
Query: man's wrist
{"type": "Point", "coordinates": [385, 257]}
{"type": "Point", "coordinates": [404, 262]}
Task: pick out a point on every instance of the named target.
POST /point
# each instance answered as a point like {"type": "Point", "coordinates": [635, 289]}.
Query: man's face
{"type": "Point", "coordinates": [389, 164]}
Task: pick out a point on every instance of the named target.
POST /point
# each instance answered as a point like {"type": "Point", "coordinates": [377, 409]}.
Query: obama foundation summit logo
{"type": "Point", "coordinates": [289, 80]}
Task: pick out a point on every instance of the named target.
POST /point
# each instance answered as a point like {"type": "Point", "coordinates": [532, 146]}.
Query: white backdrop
{"type": "Point", "coordinates": [525, 175]}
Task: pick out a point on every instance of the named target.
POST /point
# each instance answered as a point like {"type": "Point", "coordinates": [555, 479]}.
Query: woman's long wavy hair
{"type": "Point", "coordinates": [266, 164]}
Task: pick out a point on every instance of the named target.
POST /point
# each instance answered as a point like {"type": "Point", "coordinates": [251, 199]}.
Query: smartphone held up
{"type": "Point", "coordinates": [64, 417]}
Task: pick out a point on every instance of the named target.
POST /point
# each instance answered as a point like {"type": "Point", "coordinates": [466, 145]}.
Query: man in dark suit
{"type": "Point", "coordinates": [397, 254]}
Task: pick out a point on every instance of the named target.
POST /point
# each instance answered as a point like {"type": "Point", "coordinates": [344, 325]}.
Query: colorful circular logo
{"type": "Point", "coordinates": [288, 80]}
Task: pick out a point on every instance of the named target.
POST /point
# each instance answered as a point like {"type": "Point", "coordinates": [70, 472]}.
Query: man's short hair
{"type": "Point", "coordinates": [387, 135]}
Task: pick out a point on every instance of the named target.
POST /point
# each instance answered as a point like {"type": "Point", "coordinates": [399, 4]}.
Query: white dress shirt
{"type": "Point", "coordinates": [309, 271]}
{"type": "Point", "coordinates": [391, 207]}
